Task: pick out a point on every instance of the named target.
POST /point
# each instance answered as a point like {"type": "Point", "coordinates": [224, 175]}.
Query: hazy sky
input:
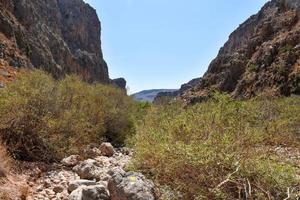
{"type": "Point", "coordinates": [165, 43]}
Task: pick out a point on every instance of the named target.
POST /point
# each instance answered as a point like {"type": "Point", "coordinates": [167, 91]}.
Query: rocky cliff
{"type": "Point", "coordinates": [262, 54]}
{"type": "Point", "coordinates": [59, 36]}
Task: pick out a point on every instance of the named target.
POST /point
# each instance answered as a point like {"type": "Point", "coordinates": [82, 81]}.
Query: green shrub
{"type": "Point", "coordinates": [252, 67]}
{"type": "Point", "coordinates": [286, 48]}
{"type": "Point", "coordinates": [45, 119]}
{"type": "Point", "coordinates": [222, 149]}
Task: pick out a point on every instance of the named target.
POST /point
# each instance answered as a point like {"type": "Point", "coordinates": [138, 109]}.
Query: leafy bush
{"type": "Point", "coordinates": [45, 119]}
{"type": "Point", "coordinates": [222, 149]}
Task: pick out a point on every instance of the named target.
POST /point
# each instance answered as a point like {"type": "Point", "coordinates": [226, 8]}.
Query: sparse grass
{"type": "Point", "coordinates": [14, 190]}
{"type": "Point", "coordinates": [4, 162]}
{"type": "Point", "coordinates": [222, 149]}
{"type": "Point", "coordinates": [44, 119]}
{"type": "Point", "coordinates": [24, 190]}
{"type": "Point", "coordinates": [4, 196]}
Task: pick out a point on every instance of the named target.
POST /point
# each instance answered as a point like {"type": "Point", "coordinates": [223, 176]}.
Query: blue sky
{"type": "Point", "coordinates": [165, 43]}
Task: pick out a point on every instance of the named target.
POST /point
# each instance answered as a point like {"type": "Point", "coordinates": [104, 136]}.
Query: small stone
{"type": "Point", "coordinates": [56, 181]}
{"type": "Point", "coordinates": [39, 188]}
{"type": "Point", "coordinates": [58, 189]}
{"type": "Point", "coordinates": [71, 161]}
{"type": "Point", "coordinates": [126, 151]}
{"type": "Point", "coordinates": [103, 161]}
{"type": "Point", "coordinates": [103, 183]}
{"type": "Point", "coordinates": [297, 47]}
{"type": "Point", "coordinates": [16, 63]}
{"type": "Point", "coordinates": [47, 183]}
{"type": "Point", "coordinates": [49, 192]}
{"type": "Point", "coordinates": [107, 149]}
{"type": "Point", "coordinates": [78, 183]}
{"type": "Point", "coordinates": [31, 184]}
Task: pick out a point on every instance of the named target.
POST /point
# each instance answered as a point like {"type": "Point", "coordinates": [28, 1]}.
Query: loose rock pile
{"type": "Point", "coordinates": [100, 176]}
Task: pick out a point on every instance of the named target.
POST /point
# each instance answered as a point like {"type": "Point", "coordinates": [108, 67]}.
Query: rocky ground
{"type": "Point", "coordinates": [99, 175]}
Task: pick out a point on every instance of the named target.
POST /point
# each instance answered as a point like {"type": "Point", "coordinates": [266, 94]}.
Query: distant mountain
{"type": "Point", "coordinates": [149, 95]}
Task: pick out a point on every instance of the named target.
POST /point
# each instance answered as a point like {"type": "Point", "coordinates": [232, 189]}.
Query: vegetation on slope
{"type": "Point", "coordinates": [223, 149]}
{"type": "Point", "coordinates": [4, 162]}
{"type": "Point", "coordinates": [220, 149]}
{"type": "Point", "coordinates": [45, 119]}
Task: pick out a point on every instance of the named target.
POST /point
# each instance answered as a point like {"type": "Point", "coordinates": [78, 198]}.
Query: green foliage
{"type": "Point", "coordinates": [286, 48]}
{"type": "Point", "coordinates": [28, 50]}
{"type": "Point", "coordinates": [222, 149]}
{"type": "Point", "coordinates": [282, 70]}
{"type": "Point", "coordinates": [252, 67]}
{"type": "Point", "coordinates": [45, 119]}
{"type": "Point", "coordinates": [141, 110]}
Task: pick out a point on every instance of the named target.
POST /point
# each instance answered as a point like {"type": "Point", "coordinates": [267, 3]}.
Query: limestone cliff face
{"type": "Point", "coordinates": [262, 54]}
{"type": "Point", "coordinates": [59, 36]}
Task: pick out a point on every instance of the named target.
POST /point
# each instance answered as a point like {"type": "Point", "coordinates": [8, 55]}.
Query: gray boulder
{"type": "Point", "coordinates": [76, 194]}
{"type": "Point", "coordinates": [73, 185]}
{"type": "Point", "coordinates": [130, 186]}
{"type": "Point", "coordinates": [88, 169]}
{"type": "Point", "coordinates": [95, 192]}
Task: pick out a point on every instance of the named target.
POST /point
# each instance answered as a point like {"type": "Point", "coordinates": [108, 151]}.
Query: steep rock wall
{"type": "Point", "coordinates": [59, 36]}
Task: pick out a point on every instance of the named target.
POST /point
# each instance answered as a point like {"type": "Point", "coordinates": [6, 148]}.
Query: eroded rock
{"type": "Point", "coordinates": [71, 161]}
{"type": "Point", "coordinates": [88, 169]}
{"type": "Point", "coordinates": [107, 149]}
{"type": "Point", "coordinates": [95, 192]}
{"type": "Point", "coordinates": [78, 183]}
{"type": "Point", "coordinates": [130, 186]}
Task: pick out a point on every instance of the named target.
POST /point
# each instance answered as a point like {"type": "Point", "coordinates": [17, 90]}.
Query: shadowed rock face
{"type": "Point", "coordinates": [262, 54]}
{"type": "Point", "coordinates": [120, 82]}
{"type": "Point", "coordinates": [59, 36]}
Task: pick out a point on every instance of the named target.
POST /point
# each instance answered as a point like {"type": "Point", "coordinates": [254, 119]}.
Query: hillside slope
{"type": "Point", "coordinates": [262, 54]}
{"type": "Point", "coordinates": [59, 36]}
